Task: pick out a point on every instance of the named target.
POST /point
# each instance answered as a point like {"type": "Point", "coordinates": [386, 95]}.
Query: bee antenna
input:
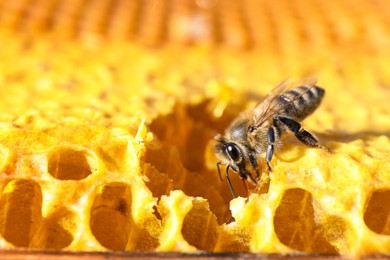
{"type": "Point", "coordinates": [227, 177]}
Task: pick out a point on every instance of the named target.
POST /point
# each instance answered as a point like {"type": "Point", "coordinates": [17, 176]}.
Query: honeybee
{"type": "Point", "coordinates": [260, 130]}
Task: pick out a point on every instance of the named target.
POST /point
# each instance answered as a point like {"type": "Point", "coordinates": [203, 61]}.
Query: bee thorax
{"type": "Point", "coordinates": [239, 131]}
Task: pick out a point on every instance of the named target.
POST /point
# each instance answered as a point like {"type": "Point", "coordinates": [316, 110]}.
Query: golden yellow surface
{"type": "Point", "coordinates": [107, 120]}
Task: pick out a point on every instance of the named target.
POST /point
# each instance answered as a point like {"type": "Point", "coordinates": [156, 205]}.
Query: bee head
{"type": "Point", "coordinates": [229, 152]}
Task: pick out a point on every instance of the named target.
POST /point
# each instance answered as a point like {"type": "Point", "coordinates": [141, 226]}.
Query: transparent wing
{"type": "Point", "coordinates": [270, 106]}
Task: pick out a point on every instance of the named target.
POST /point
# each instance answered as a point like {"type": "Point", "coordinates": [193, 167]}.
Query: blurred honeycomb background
{"type": "Point", "coordinates": [108, 109]}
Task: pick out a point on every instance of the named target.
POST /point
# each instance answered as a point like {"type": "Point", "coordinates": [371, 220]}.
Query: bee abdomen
{"type": "Point", "coordinates": [301, 101]}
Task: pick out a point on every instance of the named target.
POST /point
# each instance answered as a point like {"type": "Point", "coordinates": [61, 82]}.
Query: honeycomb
{"type": "Point", "coordinates": [109, 108]}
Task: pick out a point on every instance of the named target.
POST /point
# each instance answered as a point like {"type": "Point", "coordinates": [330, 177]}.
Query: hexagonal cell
{"type": "Point", "coordinates": [295, 225]}
{"type": "Point", "coordinates": [56, 230]}
{"type": "Point", "coordinates": [20, 211]}
{"type": "Point", "coordinates": [111, 221]}
{"type": "Point", "coordinates": [377, 211]}
{"type": "Point", "coordinates": [200, 227]}
{"type": "Point", "coordinates": [68, 164]}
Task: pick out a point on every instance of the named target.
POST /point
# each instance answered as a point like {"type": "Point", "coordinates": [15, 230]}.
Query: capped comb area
{"type": "Point", "coordinates": [283, 26]}
{"type": "Point", "coordinates": [109, 108]}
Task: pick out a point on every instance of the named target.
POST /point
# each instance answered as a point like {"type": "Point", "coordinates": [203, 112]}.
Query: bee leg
{"type": "Point", "coordinates": [246, 186]}
{"type": "Point", "coordinates": [254, 165]}
{"type": "Point", "coordinates": [270, 148]}
{"type": "Point", "coordinates": [300, 133]}
{"type": "Point", "coordinates": [219, 170]}
{"type": "Point", "coordinates": [251, 179]}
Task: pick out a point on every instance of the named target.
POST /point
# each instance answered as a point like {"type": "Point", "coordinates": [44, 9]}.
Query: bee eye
{"type": "Point", "coordinates": [233, 151]}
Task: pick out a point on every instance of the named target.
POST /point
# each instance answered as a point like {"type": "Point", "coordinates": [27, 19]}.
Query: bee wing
{"type": "Point", "coordinates": [270, 105]}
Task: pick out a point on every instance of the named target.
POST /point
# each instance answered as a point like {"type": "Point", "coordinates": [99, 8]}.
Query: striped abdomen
{"type": "Point", "coordinates": [305, 101]}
